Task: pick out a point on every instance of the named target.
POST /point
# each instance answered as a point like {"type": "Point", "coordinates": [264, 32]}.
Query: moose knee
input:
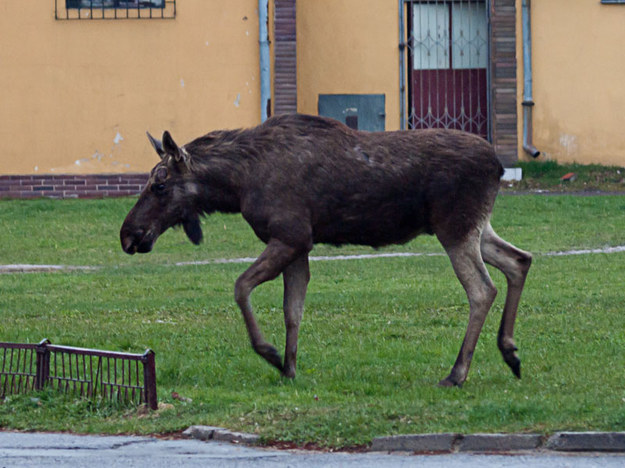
{"type": "Point", "coordinates": [525, 262]}
{"type": "Point", "coordinates": [484, 296]}
{"type": "Point", "coordinates": [241, 291]}
{"type": "Point", "coordinates": [517, 273]}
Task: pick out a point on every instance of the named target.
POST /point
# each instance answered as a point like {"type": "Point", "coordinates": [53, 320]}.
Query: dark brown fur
{"type": "Point", "coordinates": [300, 180]}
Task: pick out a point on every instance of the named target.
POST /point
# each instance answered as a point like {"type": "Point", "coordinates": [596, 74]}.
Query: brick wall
{"type": "Point", "coordinates": [71, 186]}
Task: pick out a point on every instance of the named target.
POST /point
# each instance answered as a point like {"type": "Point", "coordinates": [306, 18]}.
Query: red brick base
{"type": "Point", "coordinates": [71, 186]}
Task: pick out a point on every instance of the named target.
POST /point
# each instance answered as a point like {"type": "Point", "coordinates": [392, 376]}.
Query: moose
{"type": "Point", "coordinates": [299, 180]}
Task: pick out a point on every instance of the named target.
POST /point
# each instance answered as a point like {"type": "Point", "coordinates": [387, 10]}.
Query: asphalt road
{"type": "Point", "coordinates": [65, 450]}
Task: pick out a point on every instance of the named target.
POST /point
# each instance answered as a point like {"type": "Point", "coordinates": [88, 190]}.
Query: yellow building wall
{"type": "Point", "coordinates": [579, 80]}
{"type": "Point", "coordinates": [348, 47]}
{"type": "Point", "coordinates": [78, 96]}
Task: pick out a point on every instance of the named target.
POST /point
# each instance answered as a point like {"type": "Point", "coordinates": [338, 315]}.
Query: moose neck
{"type": "Point", "coordinates": [218, 171]}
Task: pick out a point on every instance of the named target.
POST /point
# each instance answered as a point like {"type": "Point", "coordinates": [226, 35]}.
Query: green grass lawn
{"type": "Point", "coordinates": [377, 334]}
{"type": "Point", "coordinates": [547, 176]}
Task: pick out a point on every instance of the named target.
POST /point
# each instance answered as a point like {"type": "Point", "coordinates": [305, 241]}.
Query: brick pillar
{"type": "Point", "coordinates": [285, 66]}
{"type": "Point", "coordinates": [504, 80]}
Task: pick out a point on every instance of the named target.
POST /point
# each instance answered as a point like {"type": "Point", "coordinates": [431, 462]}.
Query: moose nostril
{"type": "Point", "coordinates": [128, 245]}
{"type": "Point", "coordinates": [130, 240]}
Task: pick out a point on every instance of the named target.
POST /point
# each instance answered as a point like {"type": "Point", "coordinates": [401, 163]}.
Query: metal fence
{"type": "Point", "coordinates": [121, 377]}
{"type": "Point", "coordinates": [114, 9]}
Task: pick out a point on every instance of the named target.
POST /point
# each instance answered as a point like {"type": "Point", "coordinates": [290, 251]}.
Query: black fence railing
{"type": "Point", "coordinates": [121, 377]}
{"type": "Point", "coordinates": [114, 9]}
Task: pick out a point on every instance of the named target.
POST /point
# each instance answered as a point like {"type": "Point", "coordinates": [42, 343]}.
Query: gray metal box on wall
{"type": "Point", "coordinates": [358, 111]}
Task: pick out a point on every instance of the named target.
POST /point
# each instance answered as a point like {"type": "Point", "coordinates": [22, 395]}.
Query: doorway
{"type": "Point", "coordinates": [448, 58]}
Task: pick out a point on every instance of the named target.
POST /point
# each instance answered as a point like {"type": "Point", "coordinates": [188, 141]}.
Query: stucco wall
{"type": "Point", "coordinates": [78, 96]}
{"type": "Point", "coordinates": [579, 80]}
{"type": "Point", "coordinates": [351, 47]}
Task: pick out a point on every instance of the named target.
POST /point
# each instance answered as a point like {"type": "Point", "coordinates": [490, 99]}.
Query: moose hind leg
{"type": "Point", "coordinates": [514, 263]}
{"type": "Point", "coordinates": [274, 259]}
{"type": "Point", "coordinates": [296, 277]}
{"type": "Point", "coordinates": [473, 275]}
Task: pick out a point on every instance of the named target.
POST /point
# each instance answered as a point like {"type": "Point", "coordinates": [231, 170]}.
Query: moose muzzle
{"type": "Point", "coordinates": [136, 241]}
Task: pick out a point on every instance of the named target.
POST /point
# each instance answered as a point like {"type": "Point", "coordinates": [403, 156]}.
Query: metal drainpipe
{"type": "Point", "coordinates": [528, 102]}
{"type": "Point", "coordinates": [265, 71]}
{"type": "Point", "coordinates": [402, 68]}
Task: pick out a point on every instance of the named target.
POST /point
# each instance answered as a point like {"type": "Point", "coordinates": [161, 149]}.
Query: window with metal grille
{"type": "Point", "coordinates": [114, 9]}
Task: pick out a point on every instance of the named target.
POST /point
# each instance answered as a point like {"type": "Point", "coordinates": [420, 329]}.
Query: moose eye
{"type": "Point", "coordinates": [158, 189]}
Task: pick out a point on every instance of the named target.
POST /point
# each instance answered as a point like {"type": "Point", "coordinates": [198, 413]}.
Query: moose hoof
{"type": "Point", "coordinates": [270, 354]}
{"type": "Point", "coordinates": [513, 361]}
{"type": "Point", "coordinates": [449, 381]}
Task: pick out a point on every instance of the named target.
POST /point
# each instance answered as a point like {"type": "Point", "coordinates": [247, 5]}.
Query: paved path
{"type": "Point", "coordinates": [30, 268]}
{"type": "Point", "coordinates": [65, 450]}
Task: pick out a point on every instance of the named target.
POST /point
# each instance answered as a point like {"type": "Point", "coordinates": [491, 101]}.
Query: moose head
{"type": "Point", "coordinates": [166, 201]}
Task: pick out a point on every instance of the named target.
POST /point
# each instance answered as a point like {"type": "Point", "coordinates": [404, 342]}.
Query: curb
{"type": "Point", "coordinates": [446, 443]}
{"type": "Point", "coordinates": [587, 441]}
{"type": "Point", "coordinates": [453, 442]}
{"type": "Point", "coordinates": [457, 443]}
{"type": "Point", "coordinates": [415, 443]}
{"type": "Point", "coordinates": [499, 442]}
{"type": "Point", "coordinates": [221, 434]}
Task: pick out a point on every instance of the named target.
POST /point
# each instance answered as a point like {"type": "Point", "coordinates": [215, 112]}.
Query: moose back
{"type": "Point", "coordinates": [300, 180]}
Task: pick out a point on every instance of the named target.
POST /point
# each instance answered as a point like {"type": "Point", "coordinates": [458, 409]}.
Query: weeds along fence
{"type": "Point", "coordinates": [91, 373]}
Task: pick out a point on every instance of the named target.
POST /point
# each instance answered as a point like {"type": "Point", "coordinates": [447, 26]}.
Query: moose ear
{"type": "Point", "coordinates": [193, 229]}
{"type": "Point", "coordinates": [171, 147]}
{"type": "Point", "coordinates": [158, 146]}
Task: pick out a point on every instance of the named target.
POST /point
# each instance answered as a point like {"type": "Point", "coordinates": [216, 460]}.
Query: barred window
{"type": "Point", "coordinates": [114, 9]}
{"type": "Point", "coordinates": [115, 3]}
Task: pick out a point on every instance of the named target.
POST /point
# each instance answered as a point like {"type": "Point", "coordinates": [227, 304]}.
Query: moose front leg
{"type": "Point", "coordinates": [472, 273]}
{"type": "Point", "coordinates": [274, 259]}
{"type": "Point", "coordinates": [296, 277]}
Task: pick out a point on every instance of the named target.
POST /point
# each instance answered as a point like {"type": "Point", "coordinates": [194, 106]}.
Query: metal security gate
{"type": "Point", "coordinates": [448, 51]}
